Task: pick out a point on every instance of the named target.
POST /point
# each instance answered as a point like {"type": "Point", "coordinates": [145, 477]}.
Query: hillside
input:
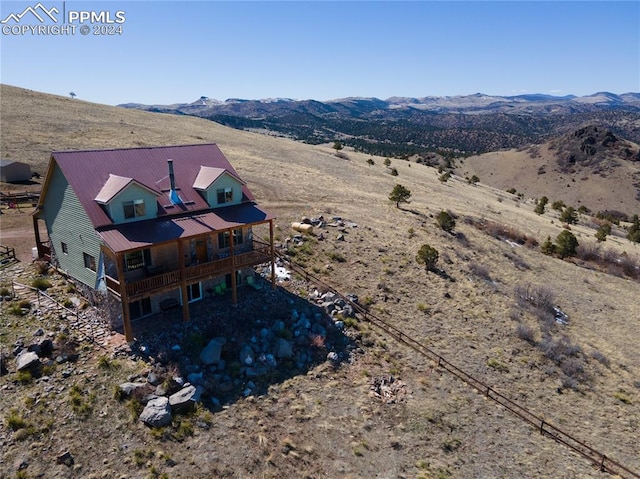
{"type": "Point", "coordinates": [328, 421]}
{"type": "Point", "coordinates": [589, 167]}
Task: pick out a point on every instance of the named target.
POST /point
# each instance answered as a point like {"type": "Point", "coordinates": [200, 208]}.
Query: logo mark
{"type": "Point", "coordinates": [35, 12]}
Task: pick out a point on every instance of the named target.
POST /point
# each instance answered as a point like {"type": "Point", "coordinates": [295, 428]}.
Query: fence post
{"type": "Point", "coordinates": [542, 427]}
{"type": "Point", "coordinates": [38, 297]}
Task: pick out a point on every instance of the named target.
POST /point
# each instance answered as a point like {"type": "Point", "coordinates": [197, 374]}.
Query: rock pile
{"type": "Point", "coordinates": [237, 356]}
{"type": "Point", "coordinates": [335, 306]}
{"type": "Point", "coordinates": [31, 356]}
{"type": "Point", "coordinates": [388, 389]}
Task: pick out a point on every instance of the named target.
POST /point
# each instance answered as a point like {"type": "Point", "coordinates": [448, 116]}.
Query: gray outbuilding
{"type": "Point", "coordinates": [14, 171]}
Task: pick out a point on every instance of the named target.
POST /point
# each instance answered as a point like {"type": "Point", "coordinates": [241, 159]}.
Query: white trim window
{"type": "Point", "coordinates": [225, 195]}
{"type": "Point", "coordinates": [133, 209]}
{"type": "Point", "coordinates": [194, 292]}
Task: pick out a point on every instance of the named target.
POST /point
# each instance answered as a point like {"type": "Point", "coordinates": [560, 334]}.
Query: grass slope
{"type": "Point", "coordinates": [612, 184]}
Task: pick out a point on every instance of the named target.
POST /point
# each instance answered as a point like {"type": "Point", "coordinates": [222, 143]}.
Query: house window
{"type": "Point", "coordinates": [65, 248]}
{"type": "Point", "coordinates": [133, 209]}
{"type": "Point", "coordinates": [89, 262]}
{"type": "Point", "coordinates": [223, 238]}
{"type": "Point", "coordinates": [225, 195]}
{"type": "Point", "coordinates": [194, 292]}
{"type": "Point", "coordinates": [137, 259]}
{"type": "Point", "coordinates": [139, 309]}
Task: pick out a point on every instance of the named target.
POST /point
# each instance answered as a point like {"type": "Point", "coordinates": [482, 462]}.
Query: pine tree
{"type": "Point", "coordinates": [400, 194]}
{"type": "Point", "coordinates": [633, 234]}
{"type": "Point", "coordinates": [428, 256]}
{"type": "Point", "coordinates": [566, 244]}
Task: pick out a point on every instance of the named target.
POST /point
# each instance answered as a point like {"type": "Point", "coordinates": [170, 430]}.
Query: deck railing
{"type": "Point", "coordinates": [260, 253]}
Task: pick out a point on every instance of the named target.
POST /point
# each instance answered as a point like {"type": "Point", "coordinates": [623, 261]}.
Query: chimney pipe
{"type": "Point", "coordinates": [172, 179]}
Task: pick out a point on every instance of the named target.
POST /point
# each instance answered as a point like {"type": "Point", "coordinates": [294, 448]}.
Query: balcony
{"type": "Point", "coordinates": [157, 283]}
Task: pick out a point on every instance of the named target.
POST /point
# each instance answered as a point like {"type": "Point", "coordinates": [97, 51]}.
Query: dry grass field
{"type": "Point", "coordinates": [609, 185]}
{"type": "Point", "coordinates": [583, 377]}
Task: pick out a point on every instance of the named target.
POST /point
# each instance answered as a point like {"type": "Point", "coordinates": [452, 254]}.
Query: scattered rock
{"type": "Point", "coordinates": [247, 356]}
{"type": "Point", "coordinates": [157, 412]}
{"type": "Point", "coordinates": [21, 464]}
{"type": "Point", "coordinates": [65, 458]}
{"type": "Point", "coordinates": [212, 351]}
{"type": "Point", "coordinates": [27, 360]}
{"type": "Point", "coordinates": [154, 379]}
{"type": "Point", "coordinates": [388, 389]}
{"type": "Point", "coordinates": [46, 347]}
{"type": "Point", "coordinates": [283, 349]}
{"type": "Point", "coordinates": [129, 388]}
{"type": "Point", "coordinates": [186, 398]}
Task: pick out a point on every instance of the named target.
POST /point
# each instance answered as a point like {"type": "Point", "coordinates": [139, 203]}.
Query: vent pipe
{"type": "Point", "coordinates": [173, 194]}
{"type": "Point", "coordinates": [172, 178]}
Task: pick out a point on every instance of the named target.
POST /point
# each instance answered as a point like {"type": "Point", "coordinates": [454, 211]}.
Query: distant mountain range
{"type": "Point", "coordinates": [401, 126]}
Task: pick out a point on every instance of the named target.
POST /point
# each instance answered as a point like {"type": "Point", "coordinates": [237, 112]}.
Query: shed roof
{"type": "Point", "coordinates": [88, 171]}
{"type": "Point", "coordinates": [4, 163]}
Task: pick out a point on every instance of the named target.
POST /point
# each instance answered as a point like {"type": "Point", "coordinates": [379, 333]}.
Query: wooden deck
{"type": "Point", "coordinates": [167, 281]}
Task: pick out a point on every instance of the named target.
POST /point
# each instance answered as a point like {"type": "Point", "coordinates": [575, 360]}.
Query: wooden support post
{"type": "Point", "coordinates": [183, 283]}
{"type": "Point", "coordinates": [124, 299]}
{"type": "Point", "coordinates": [273, 255]}
{"type": "Point", "coordinates": [36, 232]}
{"type": "Point", "coordinates": [234, 290]}
{"type": "Point", "coordinates": [126, 320]}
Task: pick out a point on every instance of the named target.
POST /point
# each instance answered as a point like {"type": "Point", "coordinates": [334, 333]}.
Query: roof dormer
{"type": "Point", "coordinates": [218, 186]}
{"type": "Point", "coordinates": [126, 199]}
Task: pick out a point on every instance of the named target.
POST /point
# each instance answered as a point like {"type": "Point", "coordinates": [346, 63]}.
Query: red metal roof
{"type": "Point", "coordinates": [143, 234]}
{"type": "Point", "coordinates": [88, 171]}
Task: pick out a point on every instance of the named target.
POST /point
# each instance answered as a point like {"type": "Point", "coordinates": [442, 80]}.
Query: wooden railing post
{"type": "Point", "coordinates": [273, 256]}
{"type": "Point", "coordinates": [234, 289]}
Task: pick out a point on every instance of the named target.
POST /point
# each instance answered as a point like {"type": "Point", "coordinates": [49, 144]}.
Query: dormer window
{"type": "Point", "coordinates": [225, 195]}
{"type": "Point", "coordinates": [125, 199]}
{"type": "Point", "coordinates": [133, 209]}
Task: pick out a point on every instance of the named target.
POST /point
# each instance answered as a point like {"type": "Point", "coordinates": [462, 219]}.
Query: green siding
{"type": "Point", "coordinates": [224, 181]}
{"type": "Point", "coordinates": [67, 222]}
{"type": "Point", "coordinates": [132, 193]}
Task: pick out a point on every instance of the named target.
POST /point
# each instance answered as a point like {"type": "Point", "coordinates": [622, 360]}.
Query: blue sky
{"type": "Point", "coordinates": [172, 51]}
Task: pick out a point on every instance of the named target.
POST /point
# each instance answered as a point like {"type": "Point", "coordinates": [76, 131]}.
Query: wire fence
{"type": "Point", "coordinates": [599, 459]}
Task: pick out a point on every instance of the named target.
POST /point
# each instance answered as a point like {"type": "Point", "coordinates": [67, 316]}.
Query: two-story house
{"type": "Point", "coordinates": [148, 228]}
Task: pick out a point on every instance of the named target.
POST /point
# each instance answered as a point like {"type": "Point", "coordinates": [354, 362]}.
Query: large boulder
{"type": "Point", "coordinates": [157, 412]}
{"type": "Point", "coordinates": [212, 351]}
{"type": "Point", "coordinates": [129, 388]}
{"type": "Point", "coordinates": [283, 349]}
{"type": "Point", "coordinates": [27, 360]}
{"type": "Point", "coordinates": [186, 398]}
{"type": "Point", "coordinates": [46, 347]}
